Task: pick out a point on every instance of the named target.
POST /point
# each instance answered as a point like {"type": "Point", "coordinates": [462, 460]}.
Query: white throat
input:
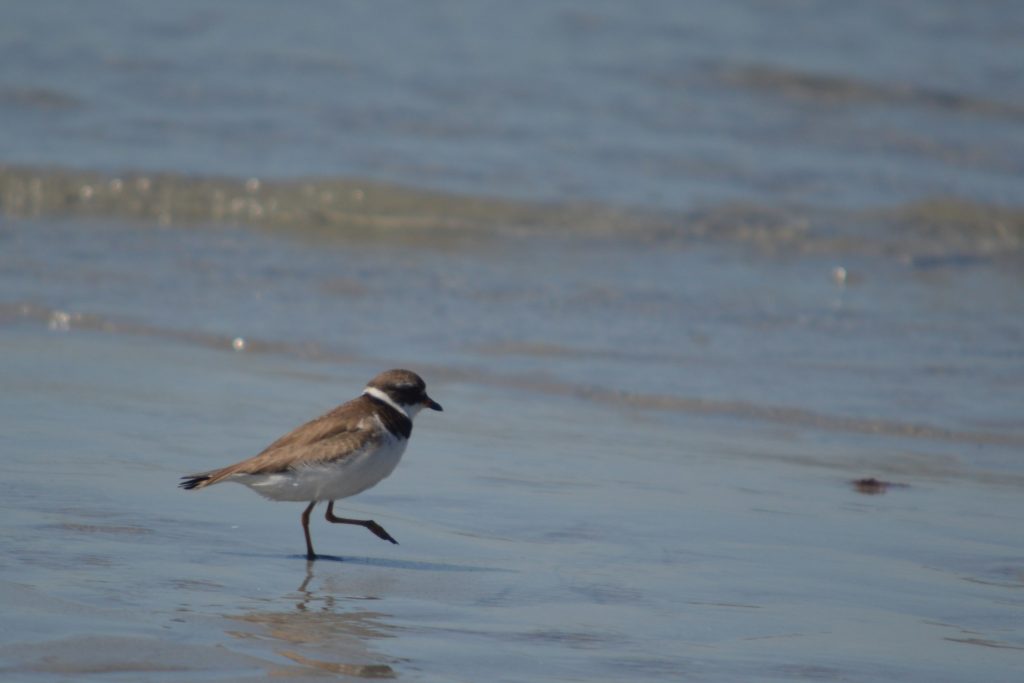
{"type": "Point", "coordinates": [381, 396]}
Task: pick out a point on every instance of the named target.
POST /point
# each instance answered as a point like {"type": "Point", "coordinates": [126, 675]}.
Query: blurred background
{"type": "Point", "coordinates": [679, 272]}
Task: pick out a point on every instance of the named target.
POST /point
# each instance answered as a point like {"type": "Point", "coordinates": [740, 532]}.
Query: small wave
{"type": "Point", "coordinates": [310, 206]}
{"type": "Point", "coordinates": [689, 405]}
{"type": "Point", "coordinates": [786, 415]}
{"type": "Point", "coordinates": [830, 89]}
{"type": "Point", "coordinates": [338, 208]}
{"type": "Point", "coordinates": [39, 98]}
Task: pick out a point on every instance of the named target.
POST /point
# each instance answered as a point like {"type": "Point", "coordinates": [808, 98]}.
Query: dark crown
{"type": "Point", "coordinates": [405, 387]}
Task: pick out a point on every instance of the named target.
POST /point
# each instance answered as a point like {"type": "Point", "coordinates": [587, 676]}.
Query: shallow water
{"type": "Point", "coordinates": [642, 472]}
{"type": "Point", "coordinates": [679, 273]}
{"type": "Point", "coordinates": [602, 545]}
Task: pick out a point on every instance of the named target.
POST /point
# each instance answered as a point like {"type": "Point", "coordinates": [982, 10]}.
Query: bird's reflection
{"type": "Point", "coordinates": [322, 632]}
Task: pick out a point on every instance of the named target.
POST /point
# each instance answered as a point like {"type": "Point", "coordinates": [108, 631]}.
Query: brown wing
{"type": "Point", "coordinates": [333, 435]}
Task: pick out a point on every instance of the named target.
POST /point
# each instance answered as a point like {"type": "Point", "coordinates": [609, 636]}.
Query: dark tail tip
{"type": "Point", "coordinates": [193, 480]}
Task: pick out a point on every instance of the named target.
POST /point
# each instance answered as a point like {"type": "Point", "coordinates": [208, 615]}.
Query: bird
{"type": "Point", "coordinates": [343, 452]}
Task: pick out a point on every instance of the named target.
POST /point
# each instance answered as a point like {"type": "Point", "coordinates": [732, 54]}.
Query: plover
{"type": "Point", "coordinates": [337, 455]}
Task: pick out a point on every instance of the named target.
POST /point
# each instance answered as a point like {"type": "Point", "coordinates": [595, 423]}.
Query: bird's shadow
{"type": "Point", "coordinates": [386, 563]}
{"type": "Point", "coordinates": [413, 565]}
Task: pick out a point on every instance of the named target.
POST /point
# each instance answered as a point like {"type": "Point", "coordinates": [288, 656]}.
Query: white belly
{"type": "Point", "coordinates": [330, 481]}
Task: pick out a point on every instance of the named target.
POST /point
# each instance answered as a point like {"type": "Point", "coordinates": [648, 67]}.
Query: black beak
{"type": "Point", "coordinates": [432, 404]}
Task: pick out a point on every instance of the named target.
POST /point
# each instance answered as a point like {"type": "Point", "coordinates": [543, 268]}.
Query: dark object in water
{"type": "Point", "coordinates": [873, 487]}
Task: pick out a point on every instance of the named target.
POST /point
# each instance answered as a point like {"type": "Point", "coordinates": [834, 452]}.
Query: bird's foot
{"type": "Point", "coordinates": [379, 531]}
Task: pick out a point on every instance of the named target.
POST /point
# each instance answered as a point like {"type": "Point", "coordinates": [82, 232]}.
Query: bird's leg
{"type": "Point", "coordinates": [310, 555]}
{"type": "Point", "coordinates": [377, 529]}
